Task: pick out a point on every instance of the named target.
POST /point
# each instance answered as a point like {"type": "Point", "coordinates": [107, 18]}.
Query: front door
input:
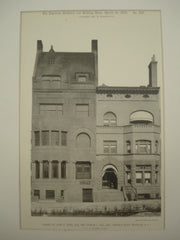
{"type": "Point", "coordinates": [87, 195]}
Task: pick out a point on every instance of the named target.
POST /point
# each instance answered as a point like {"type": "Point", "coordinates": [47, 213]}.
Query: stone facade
{"type": "Point", "coordinates": [92, 143]}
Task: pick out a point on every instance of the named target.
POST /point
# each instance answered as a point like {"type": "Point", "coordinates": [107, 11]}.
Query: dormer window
{"type": "Point", "coordinates": [82, 77]}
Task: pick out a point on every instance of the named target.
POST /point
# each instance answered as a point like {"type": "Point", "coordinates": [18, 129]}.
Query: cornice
{"type": "Point", "coordinates": [128, 90]}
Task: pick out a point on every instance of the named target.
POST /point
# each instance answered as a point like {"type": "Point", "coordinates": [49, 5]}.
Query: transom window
{"type": "Point", "coordinates": [110, 119]}
{"type": "Point", "coordinates": [110, 147]}
{"type": "Point", "coordinates": [143, 146]}
{"type": "Point", "coordinates": [83, 170]}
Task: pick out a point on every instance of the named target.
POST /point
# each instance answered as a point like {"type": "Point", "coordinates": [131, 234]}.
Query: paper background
{"type": "Point", "coordinates": [10, 109]}
{"type": "Point", "coordinates": [126, 42]}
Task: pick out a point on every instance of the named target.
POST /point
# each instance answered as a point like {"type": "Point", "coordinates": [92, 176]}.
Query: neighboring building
{"type": "Point", "coordinates": [89, 142]}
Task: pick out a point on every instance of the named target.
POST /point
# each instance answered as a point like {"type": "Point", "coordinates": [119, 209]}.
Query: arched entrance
{"type": "Point", "coordinates": [109, 178]}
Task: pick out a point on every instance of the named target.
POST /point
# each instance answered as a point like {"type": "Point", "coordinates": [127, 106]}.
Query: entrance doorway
{"type": "Point", "coordinates": [109, 179]}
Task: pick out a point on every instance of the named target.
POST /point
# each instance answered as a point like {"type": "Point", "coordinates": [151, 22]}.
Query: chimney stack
{"type": "Point", "coordinates": [94, 48]}
{"type": "Point", "coordinates": [39, 46]}
{"type": "Point", "coordinates": [153, 72]}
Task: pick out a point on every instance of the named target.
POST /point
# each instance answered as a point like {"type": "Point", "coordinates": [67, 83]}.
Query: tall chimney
{"type": "Point", "coordinates": [39, 46]}
{"type": "Point", "coordinates": [94, 48]}
{"type": "Point", "coordinates": [153, 72]}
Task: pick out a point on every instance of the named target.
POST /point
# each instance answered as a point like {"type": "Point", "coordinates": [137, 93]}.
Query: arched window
{"type": "Point", "coordinates": [83, 140]}
{"type": "Point", "coordinates": [45, 169]}
{"type": "Point", "coordinates": [63, 169]}
{"type": "Point", "coordinates": [54, 169]}
{"type": "Point", "coordinates": [109, 178]}
{"type": "Point", "coordinates": [110, 119]}
{"type": "Point", "coordinates": [37, 169]}
{"type": "Point", "coordinates": [141, 117]}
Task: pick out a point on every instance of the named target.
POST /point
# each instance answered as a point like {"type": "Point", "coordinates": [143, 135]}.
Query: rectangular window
{"type": "Point", "coordinates": [45, 169]}
{"type": "Point", "coordinates": [143, 146]}
{"type": "Point", "coordinates": [50, 194]}
{"type": "Point", "coordinates": [64, 138]}
{"type": "Point", "coordinates": [83, 170]}
{"type": "Point", "coordinates": [63, 169]}
{"type": "Point", "coordinates": [45, 138]}
{"type": "Point", "coordinates": [139, 178]}
{"type": "Point", "coordinates": [51, 109]}
{"type": "Point", "coordinates": [147, 177]}
{"type": "Point", "coordinates": [62, 193]}
{"type": "Point", "coordinates": [54, 169]}
{"type": "Point", "coordinates": [55, 138]}
{"type": "Point", "coordinates": [87, 195]}
{"type": "Point", "coordinates": [37, 194]}
{"type": "Point", "coordinates": [82, 110]}
{"type": "Point", "coordinates": [128, 146]}
{"type": "Point", "coordinates": [37, 138]}
{"type": "Point", "coordinates": [110, 147]}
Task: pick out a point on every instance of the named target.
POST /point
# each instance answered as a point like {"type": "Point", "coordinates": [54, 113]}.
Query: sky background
{"type": "Point", "coordinates": [126, 41]}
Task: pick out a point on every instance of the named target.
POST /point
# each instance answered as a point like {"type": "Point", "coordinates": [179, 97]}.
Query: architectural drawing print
{"type": "Point", "coordinates": [96, 149]}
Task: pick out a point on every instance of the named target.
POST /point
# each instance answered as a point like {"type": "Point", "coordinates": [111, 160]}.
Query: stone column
{"type": "Point", "coordinates": [50, 169]}
{"type": "Point", "coordinates": [59, 169]}
{"type": "Point", "coordinates": [41, 169]}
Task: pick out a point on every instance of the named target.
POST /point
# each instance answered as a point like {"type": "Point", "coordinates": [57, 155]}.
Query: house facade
{"type": "Point", "coordinates": [92, 143]}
